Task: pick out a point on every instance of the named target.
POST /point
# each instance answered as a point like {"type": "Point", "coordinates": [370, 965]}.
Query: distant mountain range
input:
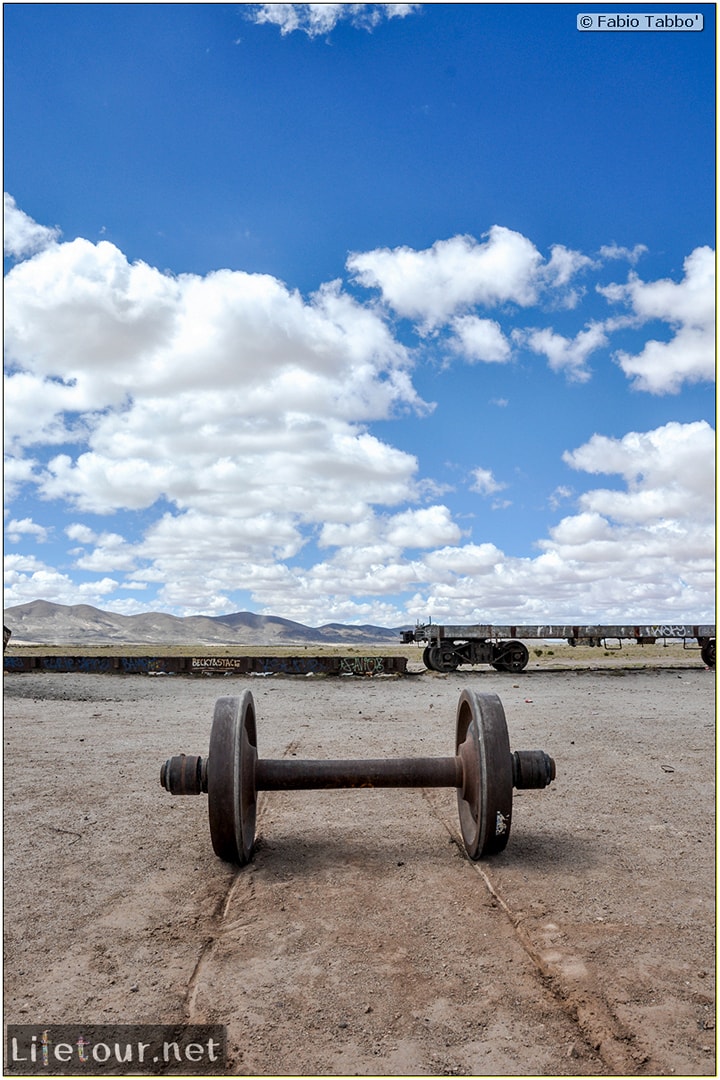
{"type": "Point", "coordinates": [43, 623]}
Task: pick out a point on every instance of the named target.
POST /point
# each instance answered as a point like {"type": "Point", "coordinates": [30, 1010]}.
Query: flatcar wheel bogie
{"type": "Point", "coordinates": [510, 656]}
{"type": "Point", "coordinates": [449, 659]}
{"type": "Point", "coordinates": [518, 658]}
{"type": "Point", "coordinates": [442, 658]}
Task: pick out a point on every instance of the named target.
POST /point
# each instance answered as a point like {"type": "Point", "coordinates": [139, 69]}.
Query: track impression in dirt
{"type": "Point", "coordinates": [361, 939]}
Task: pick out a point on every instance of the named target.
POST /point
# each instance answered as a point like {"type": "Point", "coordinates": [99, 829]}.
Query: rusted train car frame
{"type": "Point", "coordinates": [502, 646]}
{"type": "Point", "coordinates": [210, 665]}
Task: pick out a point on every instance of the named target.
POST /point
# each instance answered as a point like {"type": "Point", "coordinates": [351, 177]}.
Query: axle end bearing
{"type": "Point", "coordinates": [184, 774]}
{"type": "Point", "coordinates": [532, 769]}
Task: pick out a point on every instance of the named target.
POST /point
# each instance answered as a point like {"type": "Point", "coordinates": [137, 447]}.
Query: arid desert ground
{"type": "Point", "coordinates": [361, 939]}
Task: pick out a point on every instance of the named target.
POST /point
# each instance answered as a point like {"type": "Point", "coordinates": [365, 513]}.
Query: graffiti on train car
{"type": "Point", "coordinates": [15, 663]}
{"type": "Point", "coordinates": [261, 665]}
{"type": "Point", "coordinates": [224, 663]}
{"type": "Point", "coordinates": [140, 665]}
{"type": "Point", "coordinates": [362, 665]}
{"type": "Point", "coordinates": [89, 665]}
{"type": "Point", "coordinates": [209, 665]}
{"type": "Point", "coordinates": [293, 665]}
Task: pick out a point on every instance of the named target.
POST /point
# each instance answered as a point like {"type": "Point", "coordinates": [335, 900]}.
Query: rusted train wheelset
{"type": "Point", "coordinates": [483, 770]}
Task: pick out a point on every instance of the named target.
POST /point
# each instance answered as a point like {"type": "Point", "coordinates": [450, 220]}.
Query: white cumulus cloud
{"type": "Point", "coordinates": [424, 528]}
{"type": "Point", "coordinates": [564, 264]}
{"type": "Point", "coordinates": [16, 529]}
{"type": "Point", "coordinates": [479, 340]}
{"type": "Point", "coordinates": [668, 471]}
{"type": "Point", "coordinates": [617, 251]}
{"type": "Point", "coordinates": [485, 483]}
{"type": "Point", "coordinates": [23, 236]}
{"type": "Point", "coordinates": [569, 355]}
{"type": "Point", "coordinates": [431, 285]}
{"type": "Point", "coordinates": [208, 391]}
{"type": "Point", "coordinates": [318, 19]}
{"type": "Point", "coordinates": [457, 274]}
{"type": "Point", "coordinates": [646, 550]}
{"type": "Point", "coordinates": [237, 401]}
{"type": "Point", "coordinates": [688, 307]}
{"type": "Point", "coordinates": [28, 578]}
{"type": "Point", "coordinates": [234, 412]}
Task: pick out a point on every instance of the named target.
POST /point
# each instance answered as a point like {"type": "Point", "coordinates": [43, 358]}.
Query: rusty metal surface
{"type": "Point", "coordinates": [485, 799]}
{"type": "Point", "coordinates": [231, 778]}
{"type": "Point", "coordinates": [487, 631]}
{"type": "Point", "coordinates": [707, 651]}
{"type": "Point", "coordinates": [532, 769]}
{"type": "Point", "coordinates": [183, 775]}
{"type": "Point", "coordinates": [510, 656]}
{"type": "Point", "coordinates": [99, 665]}
{"type": "Point", "coordinates": [211, 665]}
{"type": "Point", "coordinates": [285, 774]}
{"type": "Point", "coordinates": [298, 665]}
{"type": "Point", "coordinates": [481, 643]}
{"type": "Point", "coordinates": [483, 772]}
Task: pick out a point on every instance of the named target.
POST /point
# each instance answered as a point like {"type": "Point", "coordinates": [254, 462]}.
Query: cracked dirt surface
{"type": "Point", "coordinates": [361, 939]}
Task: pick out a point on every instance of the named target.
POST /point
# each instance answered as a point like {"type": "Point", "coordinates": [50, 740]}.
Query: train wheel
{"type": "Point", "coordinates": [485, 798]}
{"type": "Point", "coordinates": [434, 658]}
{"type": "Point", "coordinates": [511, 656]}
{"type": "Point", "coordinates": [519, 657]}
{"type": "Point", "coordinates": [441, 658]}
{"type": "Point", "coordinates": [449, 660]}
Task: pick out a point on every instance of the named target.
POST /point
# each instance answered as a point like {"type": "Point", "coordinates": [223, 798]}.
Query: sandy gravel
{"type": "Point", "coordinates": [361, 939]}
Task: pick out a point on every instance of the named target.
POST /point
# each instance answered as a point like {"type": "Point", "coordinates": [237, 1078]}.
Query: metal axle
{"type": "Point", "coordinates": [483, 772]}
{"type": "Point", "coordinates": [187, 775]}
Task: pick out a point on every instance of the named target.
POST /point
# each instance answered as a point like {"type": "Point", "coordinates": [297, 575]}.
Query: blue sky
{"type": "Point", "coordinates": [361, 313]}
